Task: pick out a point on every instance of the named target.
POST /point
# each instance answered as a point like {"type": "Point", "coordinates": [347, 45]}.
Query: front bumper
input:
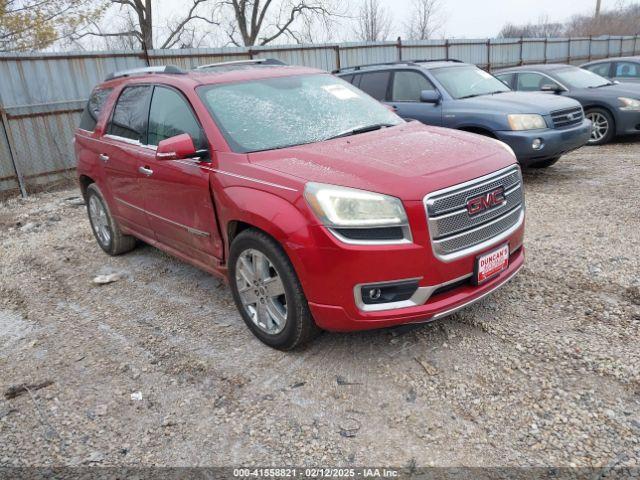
{"type": "Point", "coordinates": [628, 123]}
{"type": "Point", "coordinates": [330, 270]}
{"type": "Point", "coordinates": [556, 142]}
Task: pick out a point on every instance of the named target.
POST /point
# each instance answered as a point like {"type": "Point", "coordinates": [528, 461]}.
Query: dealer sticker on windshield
{"type": "Point", "coordinates": [491, 264]}
{"type": "Point", "coordinates": [340, 91]}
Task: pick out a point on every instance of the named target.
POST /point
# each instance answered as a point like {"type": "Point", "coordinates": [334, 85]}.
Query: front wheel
{"type": "Point", "coordinates": [267, 292]}
{"type": "Point", "coordinates": [603, 128]}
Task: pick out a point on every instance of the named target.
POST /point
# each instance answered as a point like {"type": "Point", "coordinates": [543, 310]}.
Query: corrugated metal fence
{"type": "Point", "coordinates": [42, 94]}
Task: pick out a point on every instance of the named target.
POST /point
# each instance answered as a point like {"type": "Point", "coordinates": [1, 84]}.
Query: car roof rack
{"type": "Point", "coordinates": [242, 63]}
{"type": "Point", "coordinates": [414, 62]}
{"type": "Point", "coordinates": [168, 69]}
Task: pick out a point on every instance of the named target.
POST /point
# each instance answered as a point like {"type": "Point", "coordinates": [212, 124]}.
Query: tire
{"type": "Point", "coordinates": [545, 163]}
{"type": "Point", "coordinates": [280, 318]}
{"type": "Point", "coordinates": [105, 228]}
{"type": "Point", "coordinates": [604, 126]}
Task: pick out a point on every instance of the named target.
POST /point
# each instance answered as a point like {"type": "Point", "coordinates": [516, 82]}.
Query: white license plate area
{"type": "Point", "coordinates": [491, 264]}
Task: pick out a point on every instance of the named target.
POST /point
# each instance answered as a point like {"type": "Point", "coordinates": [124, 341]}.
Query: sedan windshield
{"type": "Point", "coordinates": [578, 78]}
{"type": "Point", "coordinates": [286, 111]}
{"type": "Point", "coordinates": [468, 81]}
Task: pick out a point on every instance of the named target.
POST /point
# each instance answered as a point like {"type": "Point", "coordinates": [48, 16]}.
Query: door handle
{"type": "Point", "coordinates": [145, 170]}
{"type": "Point", "coordinates": [103, 157]}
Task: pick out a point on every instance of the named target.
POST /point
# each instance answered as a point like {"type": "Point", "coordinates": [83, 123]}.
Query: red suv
{"type": "Point", "coordinates": [322, 208]}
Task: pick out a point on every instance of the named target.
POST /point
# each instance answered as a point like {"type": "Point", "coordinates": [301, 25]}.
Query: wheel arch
{"type": "Point", "coordinates": [85, 181]}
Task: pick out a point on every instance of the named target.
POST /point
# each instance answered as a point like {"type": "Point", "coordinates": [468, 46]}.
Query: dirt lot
{"type": "Point", "coordinates": [544, 372]}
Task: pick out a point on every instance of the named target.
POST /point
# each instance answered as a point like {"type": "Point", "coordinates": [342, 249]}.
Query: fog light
{"type": "Point", "coordinates": [537, 144]}
{"type": "Point", "coordinates": [388, 292]}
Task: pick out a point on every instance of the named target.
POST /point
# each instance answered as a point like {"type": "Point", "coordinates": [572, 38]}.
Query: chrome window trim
{"type": "Point", "coordinates": [420, 296]}
{"type": "Point", "coordinates": [129, 141]}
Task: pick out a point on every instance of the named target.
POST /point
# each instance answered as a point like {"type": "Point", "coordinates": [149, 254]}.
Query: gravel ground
{"type": "Point", "coordinates": [158, 368]}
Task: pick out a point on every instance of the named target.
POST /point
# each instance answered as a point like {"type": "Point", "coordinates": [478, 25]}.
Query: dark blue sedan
{"type": "Point", "coordinates": [539, 128]}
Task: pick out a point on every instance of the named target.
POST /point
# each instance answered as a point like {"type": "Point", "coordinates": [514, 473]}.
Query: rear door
{"type": "Point", "coordinates": [375, 84]}
{"type": "Point", "coordinates": [406, 88]}
{"type": "Point", "coordinates": [125, 152]}
{"type": "Point", "coordinates": [628, 72]}
{"type": "Point", "coordinates": [176, 192]}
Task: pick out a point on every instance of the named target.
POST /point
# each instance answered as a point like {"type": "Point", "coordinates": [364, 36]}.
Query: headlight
{"type": "Point", "coordinates": [348, 207]}
{"type": "Point", "coordinates": [629, 103]}
{"type": "Point", "coordinates": [528, 121]}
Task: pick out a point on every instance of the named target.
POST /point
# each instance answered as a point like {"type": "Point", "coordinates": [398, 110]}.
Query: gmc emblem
{"type": "Point", "coordinates": [486, 201]}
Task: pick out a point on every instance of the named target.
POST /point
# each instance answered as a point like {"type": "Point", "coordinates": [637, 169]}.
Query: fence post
{"type": "Point", "coordinates": [521, 59]}
{"type": "Point", "coordinates": [336, 49]}
{"type": "Point", "coordinates": [446, 49]}
{"type": "Point", "coordinates": [590, 42]}
{"type": "Point", "coordinates": [5, 128]}
{"type": "Point", "coordinates": [608, 46]}
{"type": "Point", "coordinates": [250, 53]}
{"type": "Point", "coordinates": [569, 51]}
{"type": "Point", "coordinates": [635, 44]}
{"type": "Point", "coordinates": [546, 42]}
{"type": "Point", "coordinates": [399, 47]}
{"type": "Point", "coordinates": [488, 54]}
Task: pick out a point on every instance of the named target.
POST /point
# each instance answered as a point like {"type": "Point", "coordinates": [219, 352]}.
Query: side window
{"type": "Point", "coordinates": [601, 69]}
{"type": "Point", "coordinates": [531, 82]}
{"type": "Point", "coordinates": [375, 84]}
{"type": "Point", "coordinates": [407, 86]}
{"type": "Point", "coordinates": [506, 78]}
{"type": "Point", "coordinates": [171, 115]}
{"type": "Point", "coordinates": [94, 106]}
{"type": "Point", "coordinates": [627, 69]}
{"type": "Point", "coordinates": [129, 118]}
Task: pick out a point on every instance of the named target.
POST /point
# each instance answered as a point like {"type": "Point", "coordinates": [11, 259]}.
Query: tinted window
{"type": "Point", "coordinates": [407, 86]}
{"type": "Point", "coordinates": [601, 69]}
{"type": "Point", "coordinates": [507, 78]}
{"type": "Point", "coordinates": [130, 115]}
{"type": "Point", "coordinates": [171, 115]}
{"type": "Point", "coordinates": [280, 112]}
{"type": "Point", "coordinates": [375, 84]}
{"type": "Point", "coordinates": [94, 106]}
{"type": "Point", "coordinates": [532, 82]}
{"type": "Point", "coordinates": [627, 69]}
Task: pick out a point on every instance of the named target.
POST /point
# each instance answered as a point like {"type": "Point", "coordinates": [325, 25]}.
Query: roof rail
{"type": "Point", "coordinates": [397, 62]}
{"type": "Point", "coordinates": [171, 69]}
{"type": "Point", "coordinates": [239, 63]}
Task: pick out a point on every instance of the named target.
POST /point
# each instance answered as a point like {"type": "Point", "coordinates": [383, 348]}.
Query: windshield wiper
{"type": "Point", "coordinates": [361, 129]}
{"type": "Point", "coordinates": [603, 85]}
{"type": "Point", "coordinates": [471, 96]}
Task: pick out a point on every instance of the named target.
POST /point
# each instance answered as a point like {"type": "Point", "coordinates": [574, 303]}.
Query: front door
{"type": "Point", "coordinates": [122, 155]}
{"type": "Point", "coordinates": [177, 196]}
{"type": "Point", "coordinates": [405, 98]}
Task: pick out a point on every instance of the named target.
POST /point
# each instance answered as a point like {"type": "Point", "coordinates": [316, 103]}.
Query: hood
{"type": "Point", "coordinates": [406, 161]}
{"type": "Point", "coordinates": [521, 102]}
{"type": "Point", "coordinates": [631, 90]}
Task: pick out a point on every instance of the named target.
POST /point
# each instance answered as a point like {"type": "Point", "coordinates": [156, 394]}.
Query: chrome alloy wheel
{"type": "Point", "coordinates": [600, 126]}
{"type": "Point", "coordinates": [99, 220]}
{"type": "Point", "coordinates": [261, 291]}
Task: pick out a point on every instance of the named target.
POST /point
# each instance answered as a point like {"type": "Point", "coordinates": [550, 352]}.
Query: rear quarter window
{"type": "Point", "coordinates": [94, 106]}
{"type": "Point", "coordinates": [375, 84]}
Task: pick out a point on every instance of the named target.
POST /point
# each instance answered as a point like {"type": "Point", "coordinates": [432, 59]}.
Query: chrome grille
{"type": "Point", "coordinates": [454, 233]}
{"type": "Point", "coordinates": [567, 117]}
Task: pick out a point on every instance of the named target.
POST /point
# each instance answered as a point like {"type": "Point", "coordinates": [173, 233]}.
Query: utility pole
{"type": "Point", "coordinates": [598, 5]}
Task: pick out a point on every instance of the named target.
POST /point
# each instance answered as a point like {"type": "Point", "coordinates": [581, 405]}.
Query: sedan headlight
{"type": "Point", "coordinates": [348, 207]}
{"type": "Point", "coordinates": [629, 104]}
{"type": "Point", "coordinates": [527, 121]}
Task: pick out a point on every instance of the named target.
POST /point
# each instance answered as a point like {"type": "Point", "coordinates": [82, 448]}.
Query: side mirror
{"type": "Point", "coordinates": [430, 96]}
{"type": "Point", "coordinates": [550, 87]}
{"type": "Point", "coordinates": [176, 148]}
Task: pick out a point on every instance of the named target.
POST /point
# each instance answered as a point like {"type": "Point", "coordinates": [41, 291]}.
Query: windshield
{"type": "Point", "coordinates": [468, 81]}
{"type": "Point", "coordinates": [286, 111]}
{"type": "Point", "coordinates": [579, 78]}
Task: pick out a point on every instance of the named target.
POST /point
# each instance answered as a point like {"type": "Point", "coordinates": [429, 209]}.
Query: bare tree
{"type": "Point", "coordinates": [373, 22]}
{"type": "Point", "coordinates": [139, 24]}
{"type": "Point", "coordinates": [544, 27]}
{"type": "Point", "coordinates": [425, 20]}
{"type": "Point", "coordinates": [259, 22]}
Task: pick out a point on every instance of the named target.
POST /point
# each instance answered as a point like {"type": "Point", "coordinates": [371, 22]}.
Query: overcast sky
{"type": "Point", "coordinates": [485, 18]}
{"type": "Point", "coordinates": [462, 18]}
